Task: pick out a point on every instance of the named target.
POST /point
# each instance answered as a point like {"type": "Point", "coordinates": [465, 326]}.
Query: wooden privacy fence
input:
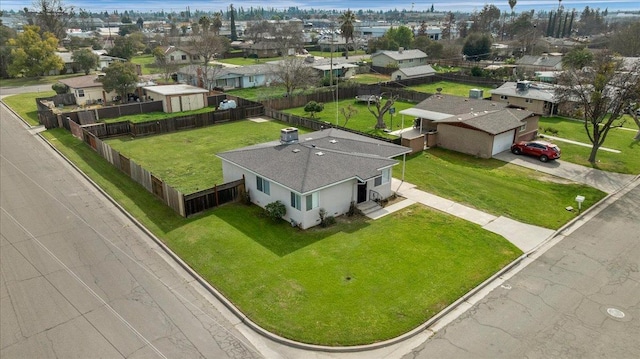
{"type": "Point", "coordinates": [179, 123]}
{"type": "Point", "coordinates": [184, 205]}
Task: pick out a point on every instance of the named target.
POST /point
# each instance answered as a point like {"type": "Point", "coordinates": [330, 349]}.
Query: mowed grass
{"type": "Point", "coordinates": [627, 161]}
{"type": "Point", "coordinates": [147, 63]}
{"type": "Point", "coordinates": [498, 188]}
{"type": "Point", "coordinates": [357, 282]}
{"type": "Point", "coordinates": [25, 105]}
{"type": "Point", "coordinates": [370, 78]}
{"type": "Point", "coordinates": [155, 116]}
{"type": "Point", "coordinates": [186, 160]}
{"type": "Point", "coordinates": [450, 88]}
{"type": "Point", "coordinates": [363, 120]}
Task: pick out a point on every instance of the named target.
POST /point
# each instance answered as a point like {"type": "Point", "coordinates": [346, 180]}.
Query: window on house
{"type": "Point", "coordinates": [523, 127]}
{"type": "Point", "coordinates": [295, 201]}
{"type": "Point", "coordinates": [504, 97]}
{"type": "Point", "coordinates": [263, 185]}
{"type": "Point", "coordinates": [80, 93]}
{"type": "Point", "coordinates": [184, 57]}
{"type": "Point", "coordinates": [312, 201]}
{"type": "Point", "coordinates": [384, 178]}
{"type": "Point", "coordinates": [252, 78]}
{"type": "Point", "coordinates": [173, 58]}
{"type": "Point", "coordinates": [528, 100]}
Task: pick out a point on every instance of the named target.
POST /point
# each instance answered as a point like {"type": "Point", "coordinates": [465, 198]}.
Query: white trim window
{"type": "Point", "coordinates": [504, 97]}
{"type": "Point", "coordinates": [528, 100]}
{"type": "Point", "coordinates": [295, 201]}
{"type": "Point", "coordinates": [383, 179]}
{"type": "Point", "coordinates": [523, 127]}
{"type": "Point", "coordinates": [312, 201]}
{"type": "Point", "coordinates": [80, 92]}
{"type": "Point", "coordinates": [263, 185]}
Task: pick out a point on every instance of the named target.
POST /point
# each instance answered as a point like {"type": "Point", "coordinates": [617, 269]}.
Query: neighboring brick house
{"type": "Point", "coordinates": [535, 97]}
{"type": "Point", "coordinates": [399, 59]}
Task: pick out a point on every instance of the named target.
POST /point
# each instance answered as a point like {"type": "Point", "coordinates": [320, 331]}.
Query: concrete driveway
{"type": "Point", "coordinates": [608, 182]}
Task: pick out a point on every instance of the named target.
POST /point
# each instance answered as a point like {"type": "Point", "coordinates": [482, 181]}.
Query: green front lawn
{"type": "Point", "coordinates": [188, 161]}
{"type": "Point", "coordinates": [25, 105]}
{"type": "Point", "coordinates": [497, 188]}
{"type": "Point", "coordinates": [450, 88]}
{"type": "Point", "coordinates": [370, 78]}
{"type": "Point", "coordinates": [45, 81]}
{"type": "Point", "coordinates": [357, 282]}
{"type": "Point", "coordinates": [628, 161]}
{"type": "Point", "coordinates": [363, 120]}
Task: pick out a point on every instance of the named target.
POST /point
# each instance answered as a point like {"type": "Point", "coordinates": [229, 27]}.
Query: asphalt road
{"type": "Point", "coordinates": [579, 299]}
{"type": "Point", "coordinates": [79, 280]}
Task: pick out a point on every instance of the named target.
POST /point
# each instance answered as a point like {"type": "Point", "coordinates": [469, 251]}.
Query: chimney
{"type": "Point", "coordinates": [400, 49]}
{"type": "Point", "coordinates": [289, 135]}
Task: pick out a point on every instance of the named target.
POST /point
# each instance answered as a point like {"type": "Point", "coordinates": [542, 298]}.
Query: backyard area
{"type": "Point", "coordinates": [450, 88]}
{"type": "Point", "coordinates": [362, 120]}
{"type": "Point", "coordinates": [188, 162]}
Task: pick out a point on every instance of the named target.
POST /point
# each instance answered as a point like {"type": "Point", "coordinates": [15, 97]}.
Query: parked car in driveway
{"type": "Point", "coordinates": [545, 151]}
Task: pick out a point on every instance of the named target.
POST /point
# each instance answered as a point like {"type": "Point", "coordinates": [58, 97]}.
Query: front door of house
{"type": "Point", "coordinates": [362, 191]}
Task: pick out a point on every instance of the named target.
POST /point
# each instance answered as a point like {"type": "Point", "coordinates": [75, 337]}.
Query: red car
{"type": "Point", "coordinates": [545, 151]}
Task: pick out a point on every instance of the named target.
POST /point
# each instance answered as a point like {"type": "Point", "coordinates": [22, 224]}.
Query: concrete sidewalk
{"type": "Point", "coordinates": [524, 236]}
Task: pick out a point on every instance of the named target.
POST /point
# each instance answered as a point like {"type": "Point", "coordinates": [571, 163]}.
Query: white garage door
{"type": "Point", "coordinates": [502, 142]}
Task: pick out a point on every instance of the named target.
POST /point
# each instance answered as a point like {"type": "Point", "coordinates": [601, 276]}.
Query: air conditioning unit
{"type": "Point", "coordinates": [476, 93]}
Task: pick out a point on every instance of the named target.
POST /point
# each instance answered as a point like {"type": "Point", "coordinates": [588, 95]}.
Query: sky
{"type": "Point", "coordinates": [340, 5]}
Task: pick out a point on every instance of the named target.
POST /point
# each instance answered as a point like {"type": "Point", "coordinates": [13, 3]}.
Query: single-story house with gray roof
{"type": "Point", "coordinates": [399, 59]}
{"type": "Point", "coordinates": [485, 134]}
{"type": "Point", "coordinates": [326, 169]}
{"type": "Point", "coordinates": [479, 127]}
{"type": "Point", "coordinates": [413, 72]}
{"type": "Point", "coordinates": [538, 98]}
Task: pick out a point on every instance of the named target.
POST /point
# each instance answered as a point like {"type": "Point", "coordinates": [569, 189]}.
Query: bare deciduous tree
{"type": "Point", "coordinates": [294, 73]}
{"type": "Point", "coordinates": [603, 92]}
{"type": "Point", "coordinates": [207, 47]}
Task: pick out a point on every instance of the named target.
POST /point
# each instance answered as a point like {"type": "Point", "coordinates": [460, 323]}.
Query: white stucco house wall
{"type": "Point", "coordinates": [326, 169]}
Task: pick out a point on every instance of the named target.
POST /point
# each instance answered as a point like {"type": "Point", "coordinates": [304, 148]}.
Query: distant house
{"type": "Point", "coordinates": [88, 90]}
{"type": "Point", "coordinates": [546, 62]}
{"type": "Point", "coordinates": [70, 66]}
{"type": "Point", "coordinates": [399, 59]}
{"type": "Point", "coordinates": [485, 134]}
{"type": "Point", "coordinates": [535, 97]}
{"type": "Point", "coordinates": [178, 98]}
{"type": "Point", "coordinates": [227, 78]}
{"type": "Point", "coordinates": [105, 61]}
{"type": "Point", "coordinates": [326, 169]}
{"type": "Point", "coordinates": [181, 55]}
{"type": "Point", "coordinates": [413, 72]}
{"type": "Point", "coordinates": [478, 127]}
{"type": "Point", "coordinates": [266, 48]}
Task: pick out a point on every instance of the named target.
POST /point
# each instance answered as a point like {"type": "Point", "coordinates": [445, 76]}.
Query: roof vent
{"type": "Point", "coordinates": [320, 153]}
{"type": "Point", "coordinates": [295, 150]}
{"type": "Point", "coordinates": [333, 141]}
